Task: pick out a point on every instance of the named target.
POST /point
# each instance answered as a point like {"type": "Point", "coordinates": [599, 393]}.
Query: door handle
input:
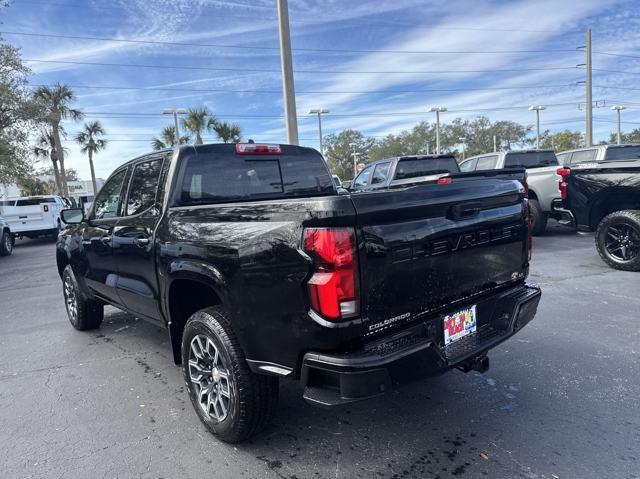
{"type": "Point", "coordinates": [142, 242]}
{"type": "Point", "coordinates": [106, 240]}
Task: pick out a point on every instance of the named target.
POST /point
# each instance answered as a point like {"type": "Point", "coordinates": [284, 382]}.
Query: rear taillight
{"type": "Point", "coordinates": [257, 149]}
{"type": "Point", "coordinates": [445, 180]}
{"type": "Point", "coordinates": [333, 288]}
{"type": "Point", "coordinates": [45, 208]}
{"type": "Point", "coordinates": [562, 184]}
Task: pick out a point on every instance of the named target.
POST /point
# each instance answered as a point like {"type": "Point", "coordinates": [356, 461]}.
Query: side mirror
{"type": "Point", "coordinates": [72, 216]}
{"type": "Point", "coordinates": [347, 184]}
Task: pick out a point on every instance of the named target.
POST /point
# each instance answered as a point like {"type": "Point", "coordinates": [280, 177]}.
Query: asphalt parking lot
{"type": "Point", "coordinates": [561, 400]}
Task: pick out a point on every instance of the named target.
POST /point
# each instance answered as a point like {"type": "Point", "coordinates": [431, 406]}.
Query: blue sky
{"type": "Point", "coordinates": [389, 37]}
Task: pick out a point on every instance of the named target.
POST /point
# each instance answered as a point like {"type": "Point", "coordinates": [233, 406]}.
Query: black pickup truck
{"type": "Point", "coordinates": [600, 188]}
{"type": "Point", "coordinates": [261, 269]}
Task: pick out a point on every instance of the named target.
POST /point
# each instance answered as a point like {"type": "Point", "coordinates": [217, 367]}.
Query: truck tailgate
{"type": "Point", "coordinates": [26, 218]}
{"type": "Point", "coordinates": [423, 248]}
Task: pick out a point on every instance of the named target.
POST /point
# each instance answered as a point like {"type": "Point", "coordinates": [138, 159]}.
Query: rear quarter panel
{"type": "Point", "coordinates": [544, 183]}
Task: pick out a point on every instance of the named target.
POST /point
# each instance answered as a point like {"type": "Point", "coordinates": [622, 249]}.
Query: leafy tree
{"type": "Point", "coordinates": [227, 132]}
{"type": "Point", "coordinates": [56, 102]}
{"type": "Point", "coordinates": [32, 186]}
{"type": "Point", "coordinates": [90, 143]}
{"type": "Point", "coordinates": [197, 121]}
{"type": "Point", "coordinates": [420, 139]}
{"type": "Point", "coordinates": [562, 140]}
{"type": "Point", "coordinates": [631, 137]}
{"type": "Point", "coordinates": [45, 148]}
{"type": "Point", "coordinates": [17, 115]}
{"type": "Point", "coordinates": [72, 174]}
{"type": "Point", "coordinates": [168, 139]}
{"type": "Point", "coordinates": [339, 151]}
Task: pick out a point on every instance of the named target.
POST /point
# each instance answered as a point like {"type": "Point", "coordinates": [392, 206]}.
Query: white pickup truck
{"type": "Point", "coordinates": [34, 216]}
{"type": "Point", "coordinates": [541, 166]}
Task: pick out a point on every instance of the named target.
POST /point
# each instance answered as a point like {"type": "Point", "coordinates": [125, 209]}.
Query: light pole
{"type": "Point", "coordinates": [438, 110]}
{"type": "Point", "coordinates": [618, 109]}
{"type": "Point", "coordinates": [175, 112]}
{"type": "Point", "coordinates": [537, 109]}
{"type": "Point", "coordinates": [319, 112]}
{"type": "Point", "coordinates": [463, 140]}
{"type": "Point", "coordinates": [355, 158]}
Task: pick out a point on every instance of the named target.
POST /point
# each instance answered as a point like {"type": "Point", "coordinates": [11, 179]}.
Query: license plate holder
{"type": "Point", "coordinates": [459, 325]}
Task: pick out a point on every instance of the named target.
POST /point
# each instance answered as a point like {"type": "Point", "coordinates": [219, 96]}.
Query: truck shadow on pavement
{"type": "Point", "coordinates": [443, 426]}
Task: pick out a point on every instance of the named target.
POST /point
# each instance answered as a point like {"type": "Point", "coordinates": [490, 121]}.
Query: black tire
{"type": "Point", "coordinates": [538, 218]}
{"type": "Point", "coordinates": [252, 398]}
{"type": "Point", "coordinates": [87, 313]}
{"type": "Point", "coordinates": [618, 230]}
{"type": "Point", "coordinates": [6, 243]}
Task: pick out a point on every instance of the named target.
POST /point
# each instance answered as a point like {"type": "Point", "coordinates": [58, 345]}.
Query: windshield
{"type": "Point", "coordinates": [615, 153]}
{"type": "Point", "coordinates": [424, 166]}
{"type": "Point", "coordinates": [530, 159]}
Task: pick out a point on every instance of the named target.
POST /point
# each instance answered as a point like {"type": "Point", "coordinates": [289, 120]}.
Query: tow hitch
{"type": "Point", "coordinates": [479, 363]}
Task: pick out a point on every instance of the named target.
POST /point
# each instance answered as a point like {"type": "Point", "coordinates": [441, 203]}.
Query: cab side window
{"type": "Point", "coordinates": [468, 165]}
{"type": "Point", "coordinates": [108, 200]}
{"type": "Point", "coordinates": [143, 186]}
{"type": "Point", "coordinates": [487, 163]}
{"type": "Point", "coordinates": [380, 173]}
{"type": "Point", "coordinates": [363, 178]}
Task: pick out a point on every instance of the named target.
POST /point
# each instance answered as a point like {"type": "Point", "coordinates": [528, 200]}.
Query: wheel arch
{"type": "Point", "coordinates": [191, 287]}
{"type": "Point", "coordinates": [612, 199]}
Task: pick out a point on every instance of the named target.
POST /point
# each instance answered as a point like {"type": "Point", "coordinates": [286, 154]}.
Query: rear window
{"type": "Point", "coordinates": [217, 174]}
{"type": "Point", "coordinates": [415, 167]}
{"type": "Point", "coordinates": [34, 201]}
{"type": "Point", "coordinates": [615, 153]}
{"type": "Point", "coordinates": [530, 159]}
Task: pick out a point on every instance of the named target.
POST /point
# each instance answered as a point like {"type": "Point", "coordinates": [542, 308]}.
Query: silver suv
{"type": "Point", "coordinates": [599, 153]}
{"type": "Point", "coordinates": [541, 166]}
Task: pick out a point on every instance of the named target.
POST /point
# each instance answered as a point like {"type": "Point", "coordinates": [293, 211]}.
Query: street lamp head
{"type": "Point", "coordinates": [618, 107]}
{"type": "Point", "coordinates": [177, 111]}
{"type": "Point", "coordinates": [537, 107]}
{"type": "Point", "coordinates": [439, 109]}
{"type": "Point", "coordinates": [317, 111]}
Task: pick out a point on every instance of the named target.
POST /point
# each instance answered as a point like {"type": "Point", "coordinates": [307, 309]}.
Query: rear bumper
{"type": "Point", "coordinates": [332, 379]}
{"type": "Point", "coordinates": [563, 215]}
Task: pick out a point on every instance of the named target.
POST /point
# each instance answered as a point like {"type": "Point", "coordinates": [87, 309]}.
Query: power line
{"type": "Point", "coordinates": [615, 71]}
{"type": "Point", "coordinates": [315, 72]}
{"type": "Point", "coordinates": [311, 50]}
{"type": "Point", "coordinates": [622, 55]}
{"type": "Point", "coordinates": [336, 92]}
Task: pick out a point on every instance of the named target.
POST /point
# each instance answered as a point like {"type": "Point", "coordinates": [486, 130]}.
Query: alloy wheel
{"type": "Point", "coordinates": [622, 241]}
{"type": "Point", "coordinates": [210, 378]}
{"type": "Point", "coordinates": [8, 243]}
{"type": "Point", "coordinates": [71, 299]}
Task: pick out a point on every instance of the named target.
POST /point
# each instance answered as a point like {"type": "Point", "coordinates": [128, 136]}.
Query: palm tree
{"type": "Point", "coordinates": [55, 101]}
{"type": "Point", "coordinates": [168, 139]}
{"type": "Point", "coordinates": [90, 143]}
{"type": "Point", "coordinates": [197, 121]}
{"type": "Point", "coordinates": [227, 132]}
{"type": "Point", "coordinates": [45, 147]}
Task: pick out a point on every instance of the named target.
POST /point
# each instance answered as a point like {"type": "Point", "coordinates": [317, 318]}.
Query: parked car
{"type": "Point", "coordinates": [600, 188]}
{"type": "Point", "coordinates": [260, 270]}
{"type": "Point", "coordinates": [34, 216]}
{"type": "Point", "coordinates": [6, 238]}
{"type": "Point", "coordinates": [541, 166]}
{"type": "Point", "coordinates": [404, 171]}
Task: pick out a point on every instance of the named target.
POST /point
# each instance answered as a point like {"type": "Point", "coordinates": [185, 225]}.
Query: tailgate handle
{"type": "Point", "coordinates": [464, 211]}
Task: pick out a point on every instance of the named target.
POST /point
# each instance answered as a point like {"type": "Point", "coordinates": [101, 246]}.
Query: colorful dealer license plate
{"type": "Point", "coordinates": [460, 324]}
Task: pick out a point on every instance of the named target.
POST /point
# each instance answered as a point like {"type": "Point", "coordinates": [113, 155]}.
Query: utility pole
{"type": "Point", "coordinates": [589, 106]}
{"type": "Point", "coordinates": [175, 112]}
{"type": "Point", "coordinates": [319, 112]}
{"type": "Point", "coordinates": [537, 109]}
{"type": "Point", "coordinates": [437, 110]}
{"type": "Point", "coordinates": [495, 144]}
{"type": "Point", "coordinates": [286, 63]}
{"type": "Point", "coordinates": [463, 140]}
{"type": "Point", "coordinates": [618, 109]}
{"type": "Point", "coordinates": [355, 159]}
